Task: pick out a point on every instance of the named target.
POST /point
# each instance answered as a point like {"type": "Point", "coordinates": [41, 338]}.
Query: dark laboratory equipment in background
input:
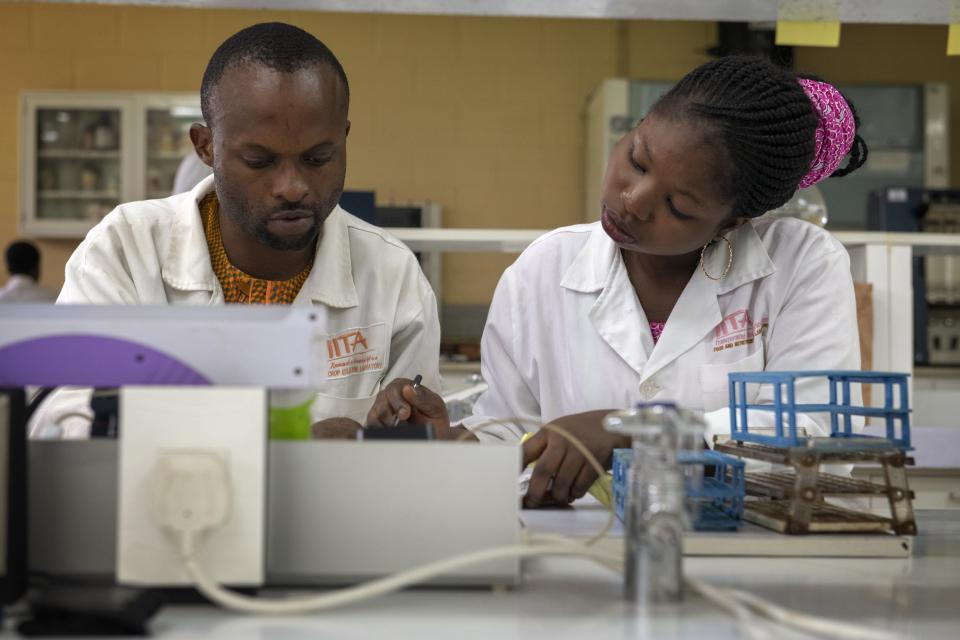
{"type": "Point", "coordinates": [936, 274]}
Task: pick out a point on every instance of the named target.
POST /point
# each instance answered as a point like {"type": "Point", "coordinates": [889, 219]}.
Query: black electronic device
{"type": "Point", "coordinates": [936, 296]}
{"type": "Point", "coordinates": [361, 204]}
{"type": "Point", "coordinates": [105, 404]}
{"type": "Point", "coordinates": [90, 610]}
{"type": "Point", "coordinates": [402, 431]}
{"type": "Point", "coordinates": [752, 39]}
{"type": "Point", "coordinates": [13, 495]}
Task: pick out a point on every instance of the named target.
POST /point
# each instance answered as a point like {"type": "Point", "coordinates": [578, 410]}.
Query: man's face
{"type": "Point", "coordinates": [277, 145]}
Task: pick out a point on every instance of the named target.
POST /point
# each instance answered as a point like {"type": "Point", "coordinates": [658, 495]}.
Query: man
{"type": "Point", "coordinates": [23, 264]}
{"type": "Point", "coordinates": [266, 227]}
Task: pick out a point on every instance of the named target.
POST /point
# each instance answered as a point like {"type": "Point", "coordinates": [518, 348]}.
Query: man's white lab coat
{"type": "Point", "coordinates": [363, 279]}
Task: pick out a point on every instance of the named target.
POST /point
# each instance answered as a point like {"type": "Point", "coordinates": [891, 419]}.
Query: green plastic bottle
{"type": "Point", "coordinates": [290, 413]}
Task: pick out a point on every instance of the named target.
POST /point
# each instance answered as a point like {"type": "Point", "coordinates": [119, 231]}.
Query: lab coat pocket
{"type": "Point", "coordinates": [328, 406]}
{"type": "Point", "coordinates": [715, 385]}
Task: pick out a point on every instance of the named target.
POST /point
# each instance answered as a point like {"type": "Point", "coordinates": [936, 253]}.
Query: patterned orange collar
{"type": "Point", "coordinates": [238, 287]}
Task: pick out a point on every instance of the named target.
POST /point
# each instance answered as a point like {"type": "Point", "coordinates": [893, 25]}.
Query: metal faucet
{"type": "Point", "coordinates": [656, 511]}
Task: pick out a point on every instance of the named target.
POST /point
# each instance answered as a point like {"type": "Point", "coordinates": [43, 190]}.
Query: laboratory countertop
{"type": "Point", "coordinates": [571, 598]}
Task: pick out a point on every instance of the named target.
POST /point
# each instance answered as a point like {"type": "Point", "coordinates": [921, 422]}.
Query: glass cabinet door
{"type": "Point", "coordinates": [167, 144]}
{"type": "Point", "coordinates": [85, 153]}
{"type": "Point", "coordinates": [77, 175]}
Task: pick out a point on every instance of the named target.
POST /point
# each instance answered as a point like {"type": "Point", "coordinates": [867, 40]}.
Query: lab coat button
{"type": "Point", "coordinates": [649, 389]}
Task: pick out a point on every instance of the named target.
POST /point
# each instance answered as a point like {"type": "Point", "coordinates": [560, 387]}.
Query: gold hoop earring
{"type": "Point", "coordinates": [726, 269]}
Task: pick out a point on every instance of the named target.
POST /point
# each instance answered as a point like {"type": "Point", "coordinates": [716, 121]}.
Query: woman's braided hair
{"type": "Point", "coordinates": [766, 123]}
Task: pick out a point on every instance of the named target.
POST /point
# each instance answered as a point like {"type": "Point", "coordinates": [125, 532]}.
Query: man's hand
{"type": "Point", "coordinates": [399, 401]}
{"type": "Point", "coordinates": [335, 429]}
{"type": "Point", "coordinates": [562, 474]}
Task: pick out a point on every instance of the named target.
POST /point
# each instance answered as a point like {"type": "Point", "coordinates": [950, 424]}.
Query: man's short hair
{"type": "Point", "coordinates": [22, 258]}
{"type": "Point", "coordinates": [277, 45]}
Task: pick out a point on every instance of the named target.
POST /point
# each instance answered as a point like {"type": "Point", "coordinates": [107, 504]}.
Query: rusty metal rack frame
{"type": "Point", "coordinates": [792, 500]}
{"type": "Point", "coordinates": [826, 518]}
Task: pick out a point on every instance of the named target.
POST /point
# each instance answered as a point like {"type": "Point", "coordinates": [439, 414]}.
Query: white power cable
{"type": "Point", "coordinates": [739, 603]}
{"type": "Point", "coordinates": [746, 620]}
{"type": "Point", "coordinates": [203, 469]}
{"type": "Point", "coordinates": [72, 414]}
{"type": "Point", "coordinates": [381, 586]}
{"type": "Point", "coordinates": [734, 601]}
{"type": "Point", "coordinates": [806, 622]}
{"type": "Point", "coordinates": [191, 498]}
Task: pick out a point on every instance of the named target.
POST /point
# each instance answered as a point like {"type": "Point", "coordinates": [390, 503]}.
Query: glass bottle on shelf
{"type": "Point", "coordinates": [87, 141]}
{"type": "Point", "coordinates": [168, 141]}
{"type": "Point", "coordinates": [78, 168]}
{"type": "Point", "coordinates": [807, 204]}
{"type": "Point", "coordinates": [105, 133]}
{"type": "Point", "coordinates": [54, 127]}
{"type": "Point", "coordinates": [167, 144]}
{"type": "Point", "coordinates": [90, 177]}
{"type": "Point", "coordinates": [48, 179]}
{"type": "Point", "coordinates": [111, 181]}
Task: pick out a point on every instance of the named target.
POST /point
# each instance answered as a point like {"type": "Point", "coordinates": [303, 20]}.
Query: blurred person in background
{"type": "Point", "coordinates": [191, 171]}
{"type": "Point", "coordinates": [23, 265]}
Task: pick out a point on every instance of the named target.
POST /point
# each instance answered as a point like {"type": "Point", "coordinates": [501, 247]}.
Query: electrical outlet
{"type": "Point", "coordinates": [195, 434]}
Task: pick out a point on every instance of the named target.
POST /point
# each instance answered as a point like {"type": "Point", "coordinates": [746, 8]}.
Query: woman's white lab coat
{"type": "Point", "coordinates": [566, 332]}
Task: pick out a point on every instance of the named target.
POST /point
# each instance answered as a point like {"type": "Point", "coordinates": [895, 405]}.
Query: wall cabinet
{"type": "Point", "coordinates": [82, 154]}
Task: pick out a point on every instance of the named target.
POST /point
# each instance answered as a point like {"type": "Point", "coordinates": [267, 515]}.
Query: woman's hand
{"type": "Point", "coordinates": [562, 474]}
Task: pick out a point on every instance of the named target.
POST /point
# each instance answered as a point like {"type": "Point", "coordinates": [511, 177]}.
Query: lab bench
{"type": "Point", "coordinates": [573, 598]}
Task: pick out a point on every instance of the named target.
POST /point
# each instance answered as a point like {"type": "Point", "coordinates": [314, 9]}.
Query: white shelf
{"type": "Point", "coordinates": [516, 240]}
{"type": "Point", "coordinates": [167, 155]}
{"type": "Point", "coordinates": [78, 154]}
{"type": "Point", "coordinates": [919, 240]}
{"type": "Point", "coordinates": [497, 240]}
{"type": "Point", "coordinates": [78, 195]}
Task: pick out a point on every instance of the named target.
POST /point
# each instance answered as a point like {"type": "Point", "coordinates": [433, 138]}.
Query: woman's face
{"type": "Point", "coordinates": [663, 191]}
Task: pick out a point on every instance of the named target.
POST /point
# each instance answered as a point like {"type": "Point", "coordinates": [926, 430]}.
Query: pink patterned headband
{"type": "Point", "coordinates": [835, 132]}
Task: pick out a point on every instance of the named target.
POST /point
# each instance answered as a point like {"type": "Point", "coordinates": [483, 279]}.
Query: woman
{"type": "Point", "coordinates": [681, 281]}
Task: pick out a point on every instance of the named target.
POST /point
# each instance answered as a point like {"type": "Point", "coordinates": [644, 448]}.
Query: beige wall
{"type": "Point", "coordinates": [666, 50]}
{"type": "Point", "coordinates": [483, 115]}
{"type": "Point", "coordinates": [892, 54]}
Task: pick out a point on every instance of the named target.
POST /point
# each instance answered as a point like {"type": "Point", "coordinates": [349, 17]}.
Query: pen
{"type": "Point", "coordinates": [416, 383]}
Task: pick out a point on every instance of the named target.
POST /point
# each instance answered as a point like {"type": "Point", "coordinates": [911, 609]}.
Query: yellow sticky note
{"type": "Point", "coordinates": [808, 33]}
{"type": "Point", "coordinates": [953, 40]}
